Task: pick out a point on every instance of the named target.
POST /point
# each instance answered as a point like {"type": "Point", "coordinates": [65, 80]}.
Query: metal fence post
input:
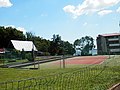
{"type": "Point", "coordinates": [63, 62]}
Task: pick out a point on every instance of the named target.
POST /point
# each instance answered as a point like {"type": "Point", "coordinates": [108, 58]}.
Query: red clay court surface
{"type": "Point", "coordinates": [85, 60]}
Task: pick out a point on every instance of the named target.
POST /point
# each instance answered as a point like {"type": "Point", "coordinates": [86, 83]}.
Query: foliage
{"type": "Point", "coordinates": [29, 36]}
{"type": "Point", "coordinates": [42, 44]}
{"type": "Point", "coordinates": [60, 47]}
{"type": "Point", "coordinates": [9, 33]}
{"type": "Point", "coordinates": [28, 56]}
{"type": "Point", "coordinates": [54, 47]}
{"type": "Point", "coordinates": [68, 48]}
{"type": "Point", "coordinates": [85, 44]}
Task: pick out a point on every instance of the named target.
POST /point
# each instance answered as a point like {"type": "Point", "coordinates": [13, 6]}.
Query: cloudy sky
{"type": "Point", "coordinates": [71, 19]}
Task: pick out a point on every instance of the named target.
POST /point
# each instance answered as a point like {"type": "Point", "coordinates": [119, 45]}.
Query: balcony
{"type": "Point", "coordinates": [114, 50]}
{"type": "Point", "coordinates": [114, 45]}
{"type": "Point", "coordinates": [113, 39]}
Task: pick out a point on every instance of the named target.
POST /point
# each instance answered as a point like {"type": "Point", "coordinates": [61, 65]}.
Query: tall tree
{"type": "Point", "coordinates": [42, 44]}
{"type": "Point", "coordinates": [85, 44]}
{"type": "Point", "coordinates": [29, 36]}
{"type": "Point", "coordinates": [9, 33]}
{"type": "Point", "coordinates": [68, 48]}
{"type": "Point", "coordinates": [55, 45]}
{"type": "Point", "coordinates": [60, 47]}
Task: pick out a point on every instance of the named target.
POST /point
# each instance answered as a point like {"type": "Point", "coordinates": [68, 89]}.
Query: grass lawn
{"type": "Point", "coordinates": [92, 77]}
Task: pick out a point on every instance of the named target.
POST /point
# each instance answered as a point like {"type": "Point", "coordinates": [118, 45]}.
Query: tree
{"type": "Point", "coordinates": [60, 47]}
{"type": "Point", "coordinates": [85, 44]}
{"type": "Point", "coordinates": [29, 36]}
{"type": "Point", "coordinates": [42, 44]}
{"type": "Point", "coordinates": [55, 45]}
{"type": "Point", "coordinates": [9, 33]}
{"type": "Point", "coordinates": [68, 48]}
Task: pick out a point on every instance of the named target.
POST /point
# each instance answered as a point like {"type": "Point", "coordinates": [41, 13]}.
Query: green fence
{"type": "Point", "coordinates": [93, 77]}
{"type": "Point", "coordinates": [12, 55]}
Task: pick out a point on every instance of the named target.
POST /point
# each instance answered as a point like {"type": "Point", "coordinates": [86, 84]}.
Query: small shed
{"type": "Point", "coordinates": [23, 45]}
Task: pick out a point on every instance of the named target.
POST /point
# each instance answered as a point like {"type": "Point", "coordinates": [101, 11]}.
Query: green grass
{"type": "Point", "coordinates": [93, 77]}
{"type": "Point", "coordinates": [7, 61]}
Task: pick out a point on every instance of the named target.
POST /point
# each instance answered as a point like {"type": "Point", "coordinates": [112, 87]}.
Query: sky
{"type": "Point", "coordinates": [71, 19]}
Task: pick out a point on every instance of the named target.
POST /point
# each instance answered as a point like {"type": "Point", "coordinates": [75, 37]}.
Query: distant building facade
{"type": "Point", "coordinates": [78, 51]}
{"type": "Point", "coordinates": [108, 43]}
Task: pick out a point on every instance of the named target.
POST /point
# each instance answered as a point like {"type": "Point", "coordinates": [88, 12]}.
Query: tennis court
{"type": "Point", "coordinates": [85, 60]}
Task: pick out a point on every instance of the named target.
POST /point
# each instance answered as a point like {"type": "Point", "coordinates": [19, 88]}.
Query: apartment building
{"type": "Point", "coordinates": [108, 43]}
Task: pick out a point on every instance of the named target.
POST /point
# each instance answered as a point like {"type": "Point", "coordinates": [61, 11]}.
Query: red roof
{"type": "Point", "coordinates": [2, 50]}
{"type": "Point", "coordinates": [111, 34]}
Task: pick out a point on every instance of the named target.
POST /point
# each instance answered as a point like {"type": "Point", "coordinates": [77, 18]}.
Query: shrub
{"type": "Point", "coordinates": [29, 56]}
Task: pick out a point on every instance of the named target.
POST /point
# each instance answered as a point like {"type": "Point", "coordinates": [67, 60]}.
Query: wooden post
{"type": "Point", "coordinates": [63, 62]}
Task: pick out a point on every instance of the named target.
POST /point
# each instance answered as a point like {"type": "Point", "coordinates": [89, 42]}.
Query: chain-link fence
{"type": "Point", "coordinates": [93, 77]}
{"type": "Point", "coordinates": [12, 55]}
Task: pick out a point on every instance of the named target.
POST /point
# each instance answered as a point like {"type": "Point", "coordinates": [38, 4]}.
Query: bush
{"type": "Point", "coordinates": [46, 53]}
{"type": "Point", "coordinates": [29, 56]}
